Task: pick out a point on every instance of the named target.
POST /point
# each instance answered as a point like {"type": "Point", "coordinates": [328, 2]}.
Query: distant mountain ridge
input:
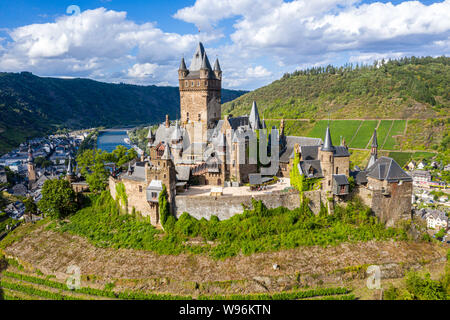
{"type": "Point", "coordinates": [405, 88]}
{"type": "Point", "coordinates": [33, 106]}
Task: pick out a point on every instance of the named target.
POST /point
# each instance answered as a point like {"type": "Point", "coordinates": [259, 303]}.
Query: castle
{"type": "Point", "coordinates": [204, 149]}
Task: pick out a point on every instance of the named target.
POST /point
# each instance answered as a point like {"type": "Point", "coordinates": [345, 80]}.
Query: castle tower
{"type": "Point", "coordinates": [326, 156]}
{"type": "Point", "coordinates": [374, 151]}
{"type": "Point", "coordinates": [200, 94]}
{"type": "Point", "coordinates": [177, 143]}
{"type": "Point", "coordinates": [31, 168]}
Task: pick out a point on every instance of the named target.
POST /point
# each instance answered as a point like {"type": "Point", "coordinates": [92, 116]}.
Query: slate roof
{"type": "Point", "coordinates": [387, 169]}
{"type": "Point", "coordinates": [311, 168]}
{"type": "Point", "coordinates": [255, 121]}
{"type": "Point", "coordinates": [217, 65]}
{"type": "Point", "coordinates": [327, 144]}
{"type": "Point", "coordinates": [340, 179]}
{"type": "Point", "coordinates": [183, 173]}
{"type": "Point", "coordinates": [197, 59]}
{"type": "Point", "coordinates": [359, 176]}
{"type": "Point", "coordinates": [309, 143]}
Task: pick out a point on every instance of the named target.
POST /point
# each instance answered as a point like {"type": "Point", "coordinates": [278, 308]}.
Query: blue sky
{"type": "Point", "coordinates": [256, 41]}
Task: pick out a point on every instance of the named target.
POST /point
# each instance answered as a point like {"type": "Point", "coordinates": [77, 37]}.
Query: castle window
{"type": "Point", "coordinates": [337, 170]}
{"type": "Point", "coordinates": [330, 158]}
{"type": "Point", "coordinates": [329, 182]}
{"type": "Point", "coordinates": [140, 188]}
{"type": "Point", "coordinates": [192, 83]}
{"type": "Point", "coordinates": [154, 195]}
{"type": "Point", "coordinates": [164, 175]}
{"type": "Point", "coordinates": [187, 116]}
{"type": "Point", "coordinates": [198, 84]}
{"type": "Point", "coordinates": [199, 116]}
{"type": "Point", "coordinates": [186, 83]}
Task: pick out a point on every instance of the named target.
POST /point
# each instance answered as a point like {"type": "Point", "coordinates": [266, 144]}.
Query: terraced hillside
{"type": "Point", "coordinates": [408, 88]}
{"type": "Point", "coordinates": [38, 260]}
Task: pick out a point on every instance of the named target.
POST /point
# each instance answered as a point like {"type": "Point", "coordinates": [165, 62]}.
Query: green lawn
{"type": "Point", "coordinates": [361, 140]}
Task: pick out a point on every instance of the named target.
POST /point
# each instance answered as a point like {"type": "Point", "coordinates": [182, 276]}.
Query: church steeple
{"type": "Point", "coordinates": [374, 151]}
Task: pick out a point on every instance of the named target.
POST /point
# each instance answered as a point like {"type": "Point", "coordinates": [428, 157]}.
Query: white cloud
{"type": "Point", "coordinates": [268, 38]}
{"type": "Point", "coordinates": [302, 31]}
{"type": "Point", "coordinates": [142, 70]}
{"type": "Point", "coordinates": [258, 72]}
{"type": "Point", "coordinates": [97, 43]}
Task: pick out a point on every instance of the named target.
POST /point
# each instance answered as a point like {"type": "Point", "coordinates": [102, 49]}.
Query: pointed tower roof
{"type": "Point", "coordinates": [217, 65]}
{"type": "Point", "coordinates": [254, 119]}
{"type": "Point", "coordinates": [263, 124]}
{"type": "Point", "coordinates": [197, 59]}
{"type": "Point", "coordinates": [328, 144]}
{"type": "Point", "coordinates": [70, 167]}
{"type": "Point", "coordinates": [176, 134]}
{"type": "Point", "coordinates": [30, 154]}
{"type": "Point", "coordinates": [222, 141]}
{"type": "Point", "coordinates": [374, 139]}
{"type": "Point", "coordinates": [167, 154]}
{"type": "Point", "coordinates": [150, 135]}
{"type": "Point", "coordinates": [182, 65]}
{"type": "Point", "coordinates": [205, 63]}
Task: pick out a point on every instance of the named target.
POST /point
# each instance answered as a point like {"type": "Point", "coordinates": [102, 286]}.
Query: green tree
{"type": "Point", "coordinates": [92, 167]}
{"type": "Point", "coordinates": [164, 209]}
{"type": "Point", "coordinates": [58, 199]}
{"type": "Point", "coordinates": [30, 206]}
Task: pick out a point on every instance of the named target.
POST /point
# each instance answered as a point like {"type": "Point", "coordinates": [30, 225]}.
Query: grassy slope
{"type": "Point", "coordinates": [31, 106]}
{"type": "Point", "coordinates": [404, 89]}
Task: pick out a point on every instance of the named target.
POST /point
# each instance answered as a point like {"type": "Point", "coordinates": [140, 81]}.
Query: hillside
{"type": "Point", "coordinates": [33, 106]}
{"type": "Point", "coordinates": [413, 88]}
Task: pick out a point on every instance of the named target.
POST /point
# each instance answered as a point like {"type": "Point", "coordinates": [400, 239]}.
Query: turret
{"type": "Point", "coordinates": [254, 119]}
{"type": "Point", "coordinates": [205, 69]}
{"type": "Point", "coordinates": [217, 70]}
{"type": "Point", "coordinates": [183, 71]}
{"type": "Point", "coordinates": [327, 160]}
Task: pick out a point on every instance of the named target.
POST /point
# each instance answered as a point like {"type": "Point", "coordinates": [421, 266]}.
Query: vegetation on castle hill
{"type": "Point", "coordinates": [417, 287]}
{"type": "Point", "coordinates": [92, 164]}
{"type": "Point", "coordinates": [255, 230]}
{"type": "Point", "coordinates": [58, 199]}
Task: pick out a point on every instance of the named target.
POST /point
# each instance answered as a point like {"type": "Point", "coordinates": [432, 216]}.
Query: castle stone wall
{"type": "Point", "coordinates": [225, 207]}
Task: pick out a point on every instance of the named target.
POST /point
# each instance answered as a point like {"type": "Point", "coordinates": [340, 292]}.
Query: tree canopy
{"type": "Point", "coordinates": [58, 199]}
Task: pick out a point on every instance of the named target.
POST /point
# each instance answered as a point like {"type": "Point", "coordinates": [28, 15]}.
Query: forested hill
{"type": "Point", "coordinates": [33, 106]}
{"type": "Point", "coordinates": [405, 88]}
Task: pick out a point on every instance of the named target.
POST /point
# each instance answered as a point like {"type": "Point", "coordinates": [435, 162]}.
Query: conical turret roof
{"type": "Point", "coordinates": [328, 144]}
{"type": "Point", "coordinates": [217, 65]}
{"type": "Point", "coordinates": [167, 154]}
{"type": "Point", "coordinates": [182, 65]}
{"type": "Point", "coordinates": [254, 119]}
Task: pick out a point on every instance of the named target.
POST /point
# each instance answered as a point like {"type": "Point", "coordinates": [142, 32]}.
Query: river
{"type": "Point", "coordinates": [110, 139]}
